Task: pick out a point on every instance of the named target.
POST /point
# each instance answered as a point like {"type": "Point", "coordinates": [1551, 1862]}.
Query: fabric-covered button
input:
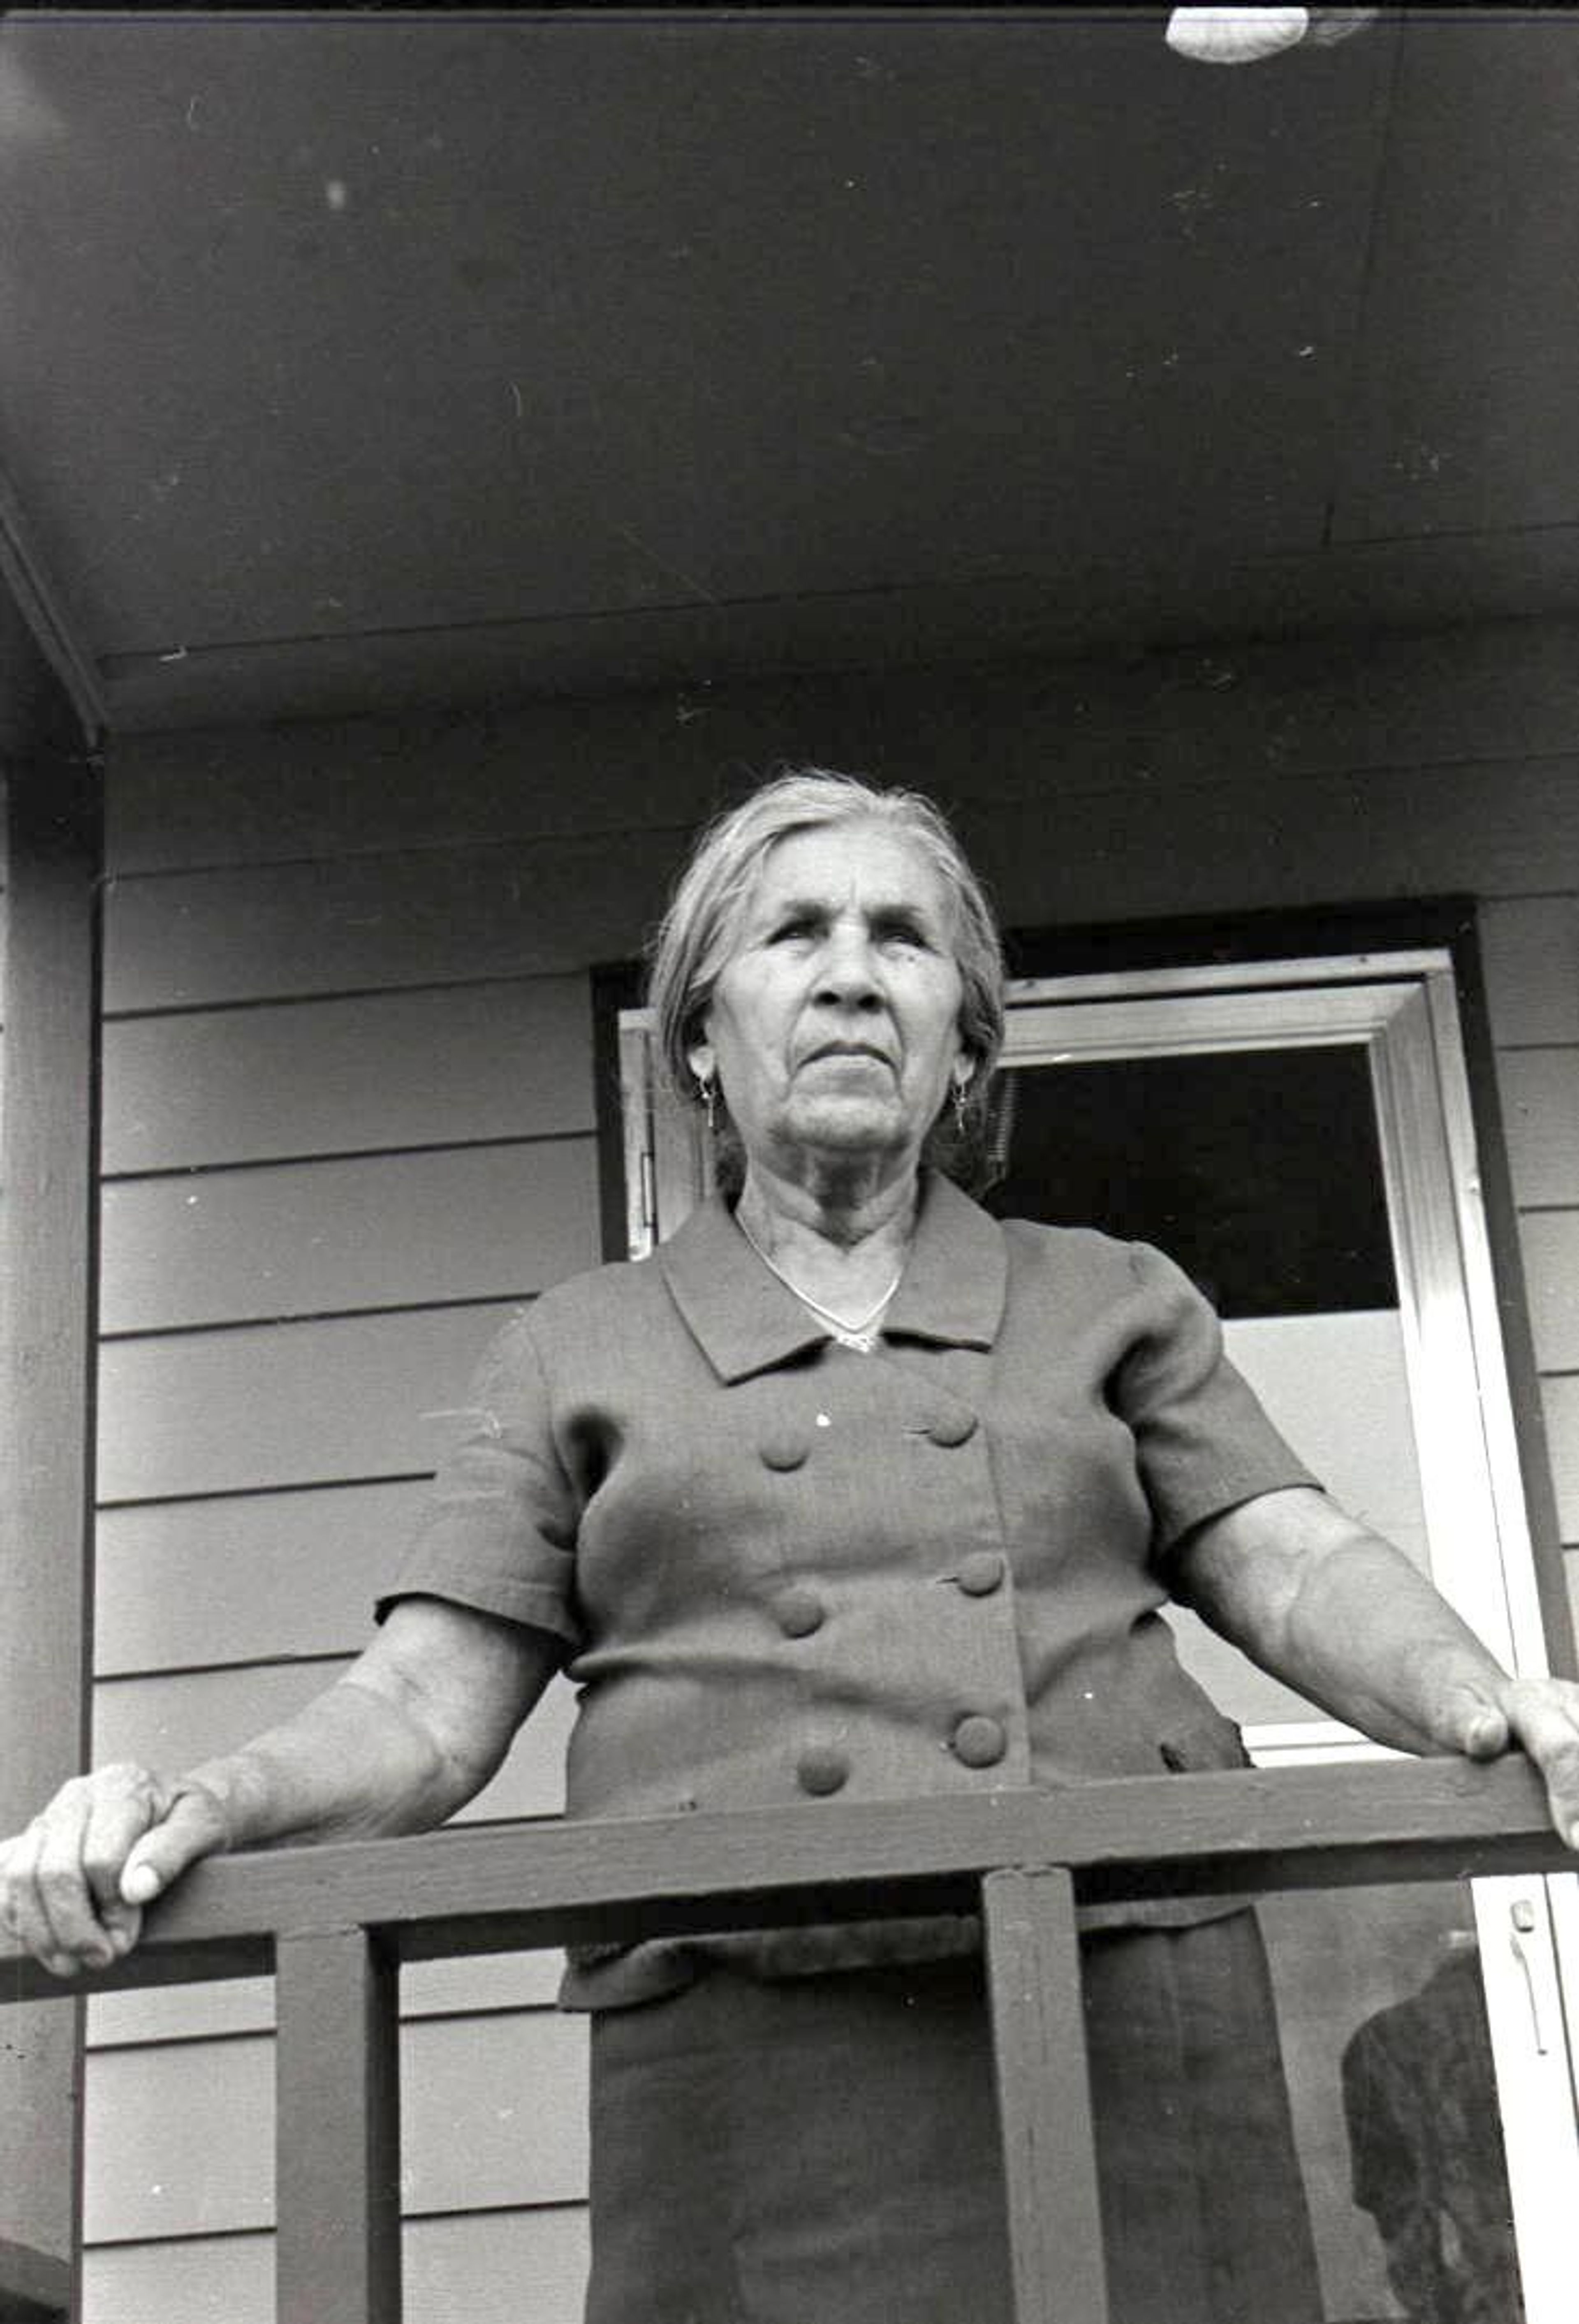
{"type": "Point", "coordinates": [785, 1449]}
{"type": "Point", "coordinates": [822, 1770]}
{"type": "Point", "coordinates": [980, 1573]}
{"type": "Point", "coordinates": [798, 1612]}
{"type": "Point", "coordinates": [951, 1428]}
{"type": "Point", "coordinates": [979, 1741]}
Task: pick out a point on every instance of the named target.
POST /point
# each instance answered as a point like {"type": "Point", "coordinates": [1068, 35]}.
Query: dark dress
{"type": "Point", "coordinates": [825, 2150]}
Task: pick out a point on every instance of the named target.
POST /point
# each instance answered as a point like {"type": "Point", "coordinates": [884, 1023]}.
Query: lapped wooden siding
{"type": "Point", "coordinates": [192, 1584]}
{"type": "Point", "coordinates": [347, 1396]}
{"type": "Point", "coordinates": [1497, 693]}
{"type": "Point", "coordinates": [434, 916]}
{"type": "Point", "coordinates": [1562, 1407]}
{"type": "Point", "coordinates": [379, 1073]}
{"type": "Point", "coordinates": [492, 2115]}
{"type": "Point", "coordinates": [388, 1175]}
{"type": "Point", "coordinates": [489, 2267]}
{"type": "Point", "coordinates": [254, 896]}
{"type": "Point", "coordinates": [1550, 1242]}
{"type": "Point", "coordinates": [1540, 1110]}
{"type": "Point", "coordinates": [1531, 949]}
{"type": "Point", "coordinates": [244, 2005]}
{"type": "Point", "coordinates": [474, 1223]}
{"type": "Point", "coordinates": [1532, 954]}
{"type": "Point", "coordinates": [494, 2126]}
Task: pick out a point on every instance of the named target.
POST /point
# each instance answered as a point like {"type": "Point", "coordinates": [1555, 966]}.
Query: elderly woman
{"type": "Point", "coordinates": [850, 1490]}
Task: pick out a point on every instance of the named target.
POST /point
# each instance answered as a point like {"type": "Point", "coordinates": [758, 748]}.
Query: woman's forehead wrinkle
{"type": "Point", "coordinates": [909, 883]}
{"type": "Point", "coordinates": [908, 887]}
{"type": "Point", "coordinates": [874, 905]}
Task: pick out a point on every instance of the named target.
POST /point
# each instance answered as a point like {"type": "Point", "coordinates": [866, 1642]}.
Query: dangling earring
{"type": "Point", "coordinates": [706, 1088]}
{"type": "Point", "coordinates": [960, 1087]}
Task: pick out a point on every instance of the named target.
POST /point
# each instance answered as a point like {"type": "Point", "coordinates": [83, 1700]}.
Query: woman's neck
{"type": "Point", "coordinates": [840, 1242]}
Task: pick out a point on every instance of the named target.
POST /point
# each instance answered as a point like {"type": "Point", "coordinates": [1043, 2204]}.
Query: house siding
{"type": "Point", "coordinates": [349, 1121]}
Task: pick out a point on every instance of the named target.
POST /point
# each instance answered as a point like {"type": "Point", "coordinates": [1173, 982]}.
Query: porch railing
{"type": "Point", "coordinates": [333, 1924]}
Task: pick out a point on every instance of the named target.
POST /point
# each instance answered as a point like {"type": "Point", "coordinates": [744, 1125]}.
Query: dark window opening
{"type": "Point", "coordinates": [1259, 1172]}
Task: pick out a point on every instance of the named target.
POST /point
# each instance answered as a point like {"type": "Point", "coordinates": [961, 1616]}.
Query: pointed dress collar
{"type": "Point", "coordinates": [746, 1321]}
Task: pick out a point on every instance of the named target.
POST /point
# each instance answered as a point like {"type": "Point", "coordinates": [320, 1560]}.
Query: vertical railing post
{"type": "Point", "coordinates": [1044, 2099]}
{"type": "Point", "coordinates": [48, 1309]}
{"type": "Point", "coordinates": [337, 2133]}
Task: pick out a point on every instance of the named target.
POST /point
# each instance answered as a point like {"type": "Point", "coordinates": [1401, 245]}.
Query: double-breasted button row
{"type": "Point", "coordinates": [978, 1741]}
{"type": "Point", "coordinates": [798, 1612]}
{"type": "Point", "coordinates": [822, 1770]}
{"type": "Point", "coordinates": [784, 1451]}
{"type": "Point", "coordinates": [951, 1428]}
{"type": "Point", "coordinates": [788, 1449]}
{"type": "Point", "coordinates": [979, 1572]}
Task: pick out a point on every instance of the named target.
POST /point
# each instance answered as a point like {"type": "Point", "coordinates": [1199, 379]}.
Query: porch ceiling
{"type": "Point", "coordinates": [361, 358]}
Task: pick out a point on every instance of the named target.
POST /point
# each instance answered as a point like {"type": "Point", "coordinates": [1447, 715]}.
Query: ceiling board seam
{"type": "Point", "coordinates": [128, 664]}
{"type": "Point", "coordinates": [1367, 285]}
{"type": "Point", "coordinates": [1360, 542]}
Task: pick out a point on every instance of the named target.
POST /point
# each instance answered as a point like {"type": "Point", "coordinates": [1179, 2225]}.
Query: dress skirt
{"type": "Point", "coordinates": [825, 2149]}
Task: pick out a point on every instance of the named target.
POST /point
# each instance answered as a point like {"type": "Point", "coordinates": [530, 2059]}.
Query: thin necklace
{"type": "Point", "coordinates": [836, 1323]}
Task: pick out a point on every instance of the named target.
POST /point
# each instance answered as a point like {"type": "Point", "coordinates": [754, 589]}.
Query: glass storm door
{"type": "Point", "coordinates": [1296, 1134]}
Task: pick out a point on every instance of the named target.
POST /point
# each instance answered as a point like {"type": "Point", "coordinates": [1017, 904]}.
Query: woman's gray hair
{"type": "Point", "coordinates": [697, 934]}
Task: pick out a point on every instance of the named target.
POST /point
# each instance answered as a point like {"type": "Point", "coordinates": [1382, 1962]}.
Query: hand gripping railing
{"type": "Point", "coordinates": [334, 1923]}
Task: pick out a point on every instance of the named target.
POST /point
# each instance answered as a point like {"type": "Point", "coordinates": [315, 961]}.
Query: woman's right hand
{"type": "Point", "coordinates": [74, 1884]}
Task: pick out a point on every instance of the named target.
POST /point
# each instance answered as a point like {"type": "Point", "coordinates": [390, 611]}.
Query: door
{"type": "Point", "coordinates": [1298, 1135]}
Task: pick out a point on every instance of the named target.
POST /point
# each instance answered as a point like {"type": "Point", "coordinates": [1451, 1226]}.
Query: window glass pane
{"type": "Point", "coordinates": [1258, 1171]}
{"type": "Point", "coordinates": [1385, 2044]}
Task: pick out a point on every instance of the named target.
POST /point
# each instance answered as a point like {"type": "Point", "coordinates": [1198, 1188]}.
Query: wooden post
{"type": "Point", "coordinates": [1044, 2099]}
{"type": "Point", "coordinates": [337, 2136]}
{"type": "Point", "coordinates": [49, 1318]}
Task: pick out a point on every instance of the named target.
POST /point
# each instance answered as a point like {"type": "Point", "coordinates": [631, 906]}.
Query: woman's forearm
{"type": "Point", "coordinates": [350, 1764]}
{"type": "Point", "coordinates": [410, 1733]}
{"type": "Point", "coordinates": [1341, 1616]}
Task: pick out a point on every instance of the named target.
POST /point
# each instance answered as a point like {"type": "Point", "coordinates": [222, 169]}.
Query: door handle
{"type": "Point", "coordinates": [1522, 1923]}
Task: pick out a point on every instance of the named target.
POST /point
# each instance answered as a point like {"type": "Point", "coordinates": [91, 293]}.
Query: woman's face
{"type": "Point", "coordinates": [833, 1027]}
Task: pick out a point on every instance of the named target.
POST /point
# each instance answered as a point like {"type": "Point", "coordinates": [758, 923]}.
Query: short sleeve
{"type": "Point", "coordinates": [498, 1530]}
{"type": "Point", "coordinates": [1204, 1442]}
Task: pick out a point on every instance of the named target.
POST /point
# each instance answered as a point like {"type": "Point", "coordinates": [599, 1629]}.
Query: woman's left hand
{"type": "Point", "coordinates": [1537, 1716]}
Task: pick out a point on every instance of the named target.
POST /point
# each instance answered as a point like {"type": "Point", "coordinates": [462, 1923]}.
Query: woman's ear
{"type": "Point", "coordinates": [700, 1058]}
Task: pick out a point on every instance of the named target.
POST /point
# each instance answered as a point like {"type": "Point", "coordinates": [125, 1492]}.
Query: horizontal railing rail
{"type": "Point", "coordinates": [333, 1923]}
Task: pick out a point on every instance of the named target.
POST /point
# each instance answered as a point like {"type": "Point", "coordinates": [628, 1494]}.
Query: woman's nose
{"type": "Point", "coordinates": [848, 970]}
